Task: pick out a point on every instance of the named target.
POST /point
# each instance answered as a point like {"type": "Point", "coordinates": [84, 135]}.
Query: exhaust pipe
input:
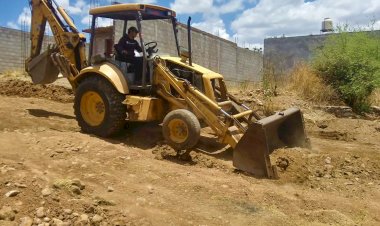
{"type": "Point", "coordinates": [189, 41]}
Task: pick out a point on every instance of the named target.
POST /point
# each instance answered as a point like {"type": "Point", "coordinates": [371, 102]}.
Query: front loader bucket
{"type": "Point", "coordinates": [42, 69]}
{"type": "Point", "coordinates": [284, 129]}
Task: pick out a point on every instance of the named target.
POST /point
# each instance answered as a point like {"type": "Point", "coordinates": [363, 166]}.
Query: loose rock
{"type": "Point", "coordinates": [46, 192]}
{"type": "Point", "coordinates": [40, 212]}
{"type": "Point", "coordinates": [47, 219]}
{"type": "Point", "coordinates": [7, 214]}
{"type": "Point", "coordinates": [57, 221]}
{"type": "Point", "coordinates": [26, 221]}
{"type": "Point", "coordinates": [20, 185]}
{"type": "Point", "coordinates": [110, 189]}
{"type": "Point", "coordinates": [68, 211]}
{"type": "Point", "coordinates": [12, 193]}
{"type": "Point", "coordinates": [97, 218]}
{"type": "Point", "coordinates": [103, 202]}
{"type": "Point", "coordinates": [83, 219]}
{"type": "Point", "coordinates": [282, 163]}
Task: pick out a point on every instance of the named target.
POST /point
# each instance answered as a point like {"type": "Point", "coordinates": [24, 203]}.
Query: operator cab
{"type": "Point", "coordinates": [133, 15]}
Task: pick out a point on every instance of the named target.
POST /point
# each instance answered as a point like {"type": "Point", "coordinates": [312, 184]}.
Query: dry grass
{"type": "Point", "coordinates": [309, 86]}
{"type": "Point", "coordinates": [242, 86]}
{"type": "Point", "coordinates": [375, 97]}
{"type": "Point", "coordinates": [269, 108]}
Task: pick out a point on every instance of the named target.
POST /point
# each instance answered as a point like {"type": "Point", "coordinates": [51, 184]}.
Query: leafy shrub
{"type": "Point", "coordinates": [349, 61]}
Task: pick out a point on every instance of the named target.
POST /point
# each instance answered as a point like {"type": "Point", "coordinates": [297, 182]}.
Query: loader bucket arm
{"type": "Point", "coordinates": [284, 129]}
{"type": "Point", "coordinates": [252, 144]}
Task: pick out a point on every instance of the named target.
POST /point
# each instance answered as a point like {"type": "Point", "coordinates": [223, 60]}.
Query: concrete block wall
{"type": "Point", "coordinates": [15, 48]}
{"type": "Point", "coordinates": [282, 54]}
{"type": "Point", "coordinates": [12, 49]}
{"type": "Point", "coordinates": [217, 54]}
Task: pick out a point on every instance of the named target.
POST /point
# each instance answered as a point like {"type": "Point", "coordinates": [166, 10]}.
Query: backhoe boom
{"type": "Point", "coordinates": [70, 43]}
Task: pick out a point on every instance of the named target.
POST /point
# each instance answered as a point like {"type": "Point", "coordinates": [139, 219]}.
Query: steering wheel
{"type": "Point", "coordinates": [151, 48]}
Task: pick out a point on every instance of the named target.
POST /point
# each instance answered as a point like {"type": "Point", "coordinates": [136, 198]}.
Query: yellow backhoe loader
{"type": "Point", "coordinates": [175, 91]}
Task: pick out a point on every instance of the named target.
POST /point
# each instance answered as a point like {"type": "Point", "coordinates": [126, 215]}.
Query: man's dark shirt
{"type": "Point", "coordinates": [130, 45]}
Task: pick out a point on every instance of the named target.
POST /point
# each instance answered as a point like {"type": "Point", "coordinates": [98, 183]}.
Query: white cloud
{"type": "Point", "coordinates": [211, 11]}
{"type": "Point", "coordinates": [79, 8]}
{"type": "Point", "coordinates": [86, 19]}
{"type": "Point", "coordinates": [64, 3]}
{"type": "Point", "coordinates": [13, 25]}
{"type": "Point", "coordinates": [231, 6]}
{"type": "Point", "coordinates": [295, 17]}
{"type": "Point", "coordinates": [214, 26]}
{"type": "Point", "coordinates": [145, 1]}
{"type": "Point", "coordinates": [207, 6]}
{"type": "Point", "coordinates": [101, 22]}
{"type": "Point", "coordinates": [25, 17]}
{"type": "Point", "coordinates": [192, 6]}
{"type": "Point", "coordinates": [136, 1]}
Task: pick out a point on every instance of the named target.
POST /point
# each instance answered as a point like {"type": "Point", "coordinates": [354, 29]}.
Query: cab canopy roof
{"type": "Point", "coordinates": [129, 12]}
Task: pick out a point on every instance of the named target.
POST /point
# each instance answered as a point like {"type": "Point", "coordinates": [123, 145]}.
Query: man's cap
{"type": "Point", "coordinates": [133, 29]}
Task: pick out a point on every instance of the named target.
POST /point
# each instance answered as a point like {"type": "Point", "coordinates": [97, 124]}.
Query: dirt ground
{"type": "Point", "coordinates": [52, 174]}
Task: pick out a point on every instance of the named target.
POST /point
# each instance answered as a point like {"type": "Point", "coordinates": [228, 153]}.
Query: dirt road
{"type": "Point", "coordinates": [51, 172]}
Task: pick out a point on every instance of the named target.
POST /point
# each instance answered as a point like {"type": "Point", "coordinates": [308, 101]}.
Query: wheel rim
{"type": "Point", "coordinates": [92, 108]}
{"type": "Point", "coordinates": [178, 130]}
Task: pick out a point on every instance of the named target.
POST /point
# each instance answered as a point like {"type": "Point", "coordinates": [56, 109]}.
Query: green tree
{"type": "Point", "coordinates": [349, 61]}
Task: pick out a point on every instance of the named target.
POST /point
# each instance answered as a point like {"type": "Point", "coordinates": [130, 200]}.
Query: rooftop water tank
{"type": "Point", "coordinates": [327, 25]}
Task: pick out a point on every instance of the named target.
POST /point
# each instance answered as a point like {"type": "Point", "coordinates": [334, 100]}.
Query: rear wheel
{"type": "Point", "coordinates": [98, 107]}
{"type": "Point", "coordinates": [181, 129]}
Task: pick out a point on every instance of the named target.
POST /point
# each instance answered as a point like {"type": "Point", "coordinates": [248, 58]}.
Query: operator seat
{"type": "Point", "coordinates": [129, 68]}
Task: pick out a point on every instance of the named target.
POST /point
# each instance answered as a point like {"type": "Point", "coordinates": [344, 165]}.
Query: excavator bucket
{"type": "Point", "coordinates": [42, 69]}
{"type": "Point", "coordinates": [284, 129]}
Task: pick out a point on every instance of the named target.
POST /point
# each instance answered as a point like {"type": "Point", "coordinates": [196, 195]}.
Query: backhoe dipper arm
{"type": "Point", "coordinates": [70, 42]}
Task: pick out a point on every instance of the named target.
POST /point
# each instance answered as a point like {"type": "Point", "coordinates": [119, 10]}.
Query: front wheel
{"type": "Point", "coordinates": [181, 129]}
{"type": "Point", "coordinates": [98, 107]}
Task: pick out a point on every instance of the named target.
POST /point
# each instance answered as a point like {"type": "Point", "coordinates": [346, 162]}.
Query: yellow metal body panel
{"type": "Point", "coordinates": [207, 74]}
{"type": "Point", "coordinates": [144, 108]}
{"type": "Point", "coordinates": [127, 7]}
{"type": "Point", "coordinates": [109, 71]}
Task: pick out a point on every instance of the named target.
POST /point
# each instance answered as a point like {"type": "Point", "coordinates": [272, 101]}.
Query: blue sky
{"type": "Point", "coordinates": [246, 22]}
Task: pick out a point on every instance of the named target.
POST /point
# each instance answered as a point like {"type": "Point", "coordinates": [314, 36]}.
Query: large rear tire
{"type": "Point", "coordinates": [98, 107]}
{"type": "Point", "coordinates": [181, 129]}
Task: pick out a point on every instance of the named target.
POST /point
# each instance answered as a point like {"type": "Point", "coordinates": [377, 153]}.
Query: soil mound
{"type": "Point", "coordinates": [12, 87]}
